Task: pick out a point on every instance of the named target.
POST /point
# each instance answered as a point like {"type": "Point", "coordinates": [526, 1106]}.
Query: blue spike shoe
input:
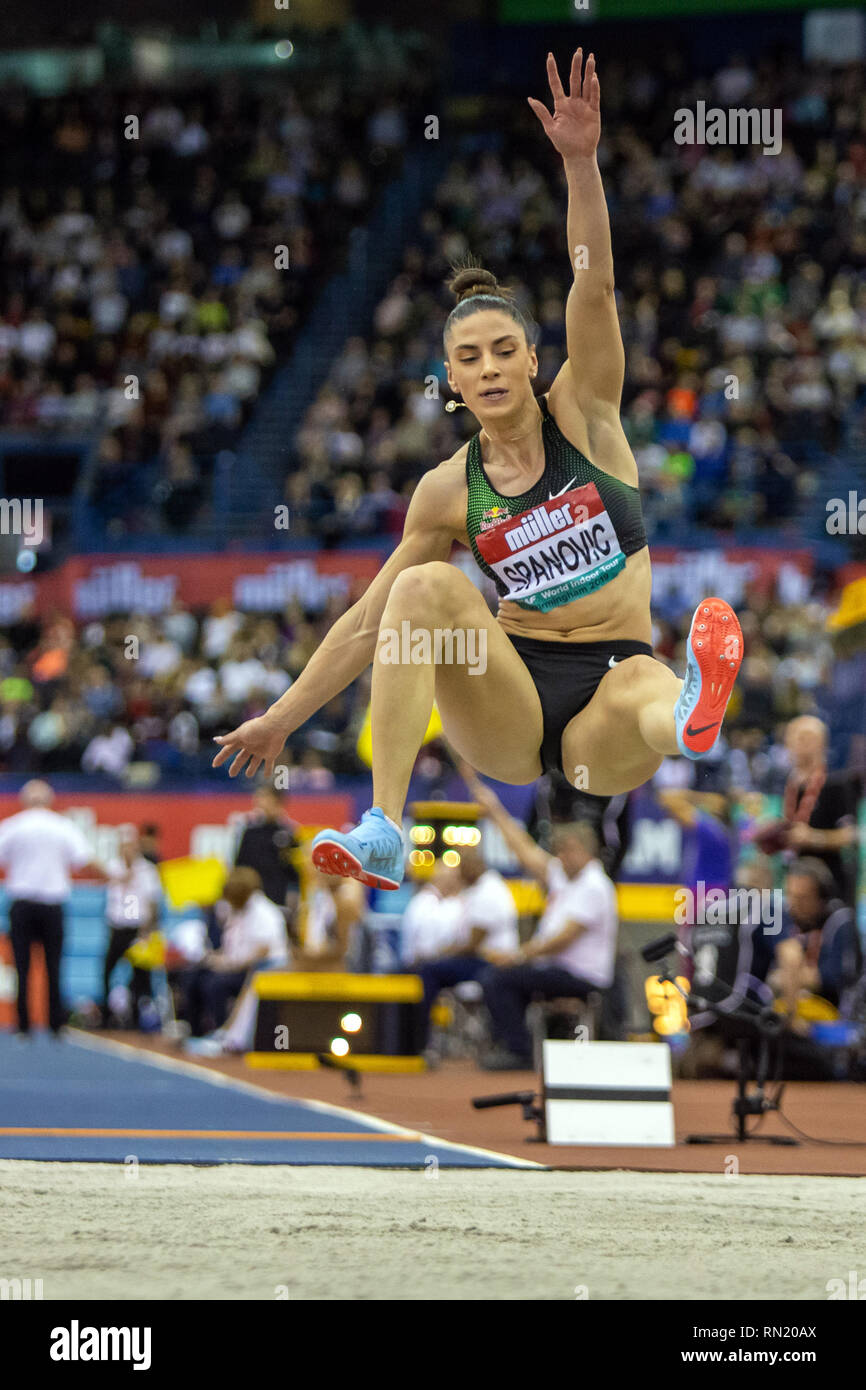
{"type": "Point", "coordinates": [372, 852]}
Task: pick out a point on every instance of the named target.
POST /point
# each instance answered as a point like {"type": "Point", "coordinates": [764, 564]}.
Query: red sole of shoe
{"type": "Point", "coordinates": [332, 858]}
{"type": "Point", "coordinates": [716, 640]}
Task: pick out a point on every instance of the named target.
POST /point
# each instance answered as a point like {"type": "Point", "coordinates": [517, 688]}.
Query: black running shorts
{"type": "Point", "coordinates": [566, 676]}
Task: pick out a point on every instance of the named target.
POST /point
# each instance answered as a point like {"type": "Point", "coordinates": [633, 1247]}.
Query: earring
{"type": "Point", "coordinates": [455, 405]}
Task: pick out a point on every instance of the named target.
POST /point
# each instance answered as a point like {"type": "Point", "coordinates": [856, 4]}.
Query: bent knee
{"type": "Point", "coordinates": [434, 586]}
{"type": "Point", "coordinates": [641, 670]}
{"type": "Point", "coordinates": [643, 666]}
{"type": "Point", "coordinates": [634, 681]}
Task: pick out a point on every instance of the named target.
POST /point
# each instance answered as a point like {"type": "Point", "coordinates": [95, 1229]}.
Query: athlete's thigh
{"type": "Point", "coordinates": [603, 749]}
{"type": "Point", "coordinates": [489, 705]}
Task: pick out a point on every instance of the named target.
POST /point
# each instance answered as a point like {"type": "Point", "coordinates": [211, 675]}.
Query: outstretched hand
{"type": "Point", "coordinates": [575, 126]}
{"type": "Point", "coordinates": [257, 740]}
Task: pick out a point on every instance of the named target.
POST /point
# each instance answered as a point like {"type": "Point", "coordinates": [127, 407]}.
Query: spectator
{"type": "Point", "coordinates": [252, 935]}
{"type": "Point", "coordinates": [572, 952]}
{"type": "Point", "coordinates": [486, 930]}
{"type": "Point", "coordinates": [312, 775]}
{"type": "Point", "coordinates": [819, 952]}
{"type": "Point", "coordinates": [269, 844]}
{"type": "Point", "coordinates": [573, 949]}
{"type": "Point", "coordinates": [819, 808]}
{"type": "Point", "coordinates": [109, 751]}
{"type": "Point", "coordinates": [149, 842]}
{"type": "Point", "coordinates": [334, 910]}
{"type": "Point", "coordinates": [432, 917]}
{"type": "Point", "coordinates": [132, 913]}
{"type": "Point", "coordinates": [219, 628]}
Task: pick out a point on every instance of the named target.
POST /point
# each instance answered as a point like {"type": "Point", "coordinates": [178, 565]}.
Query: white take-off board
{"type": "Point", "coordinates": [608, 1093]}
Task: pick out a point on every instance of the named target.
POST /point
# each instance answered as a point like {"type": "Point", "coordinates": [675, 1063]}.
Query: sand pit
{"type": "Point", "coordinates": [92, 1231]}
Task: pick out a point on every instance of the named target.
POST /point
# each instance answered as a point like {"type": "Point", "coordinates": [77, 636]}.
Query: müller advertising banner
{"type": "Point", "coordinates": [95, 586]}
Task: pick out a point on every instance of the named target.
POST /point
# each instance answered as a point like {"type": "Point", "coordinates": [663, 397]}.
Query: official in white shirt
{"type": "Point", "coordinates": [334, 910]}
{"type": "Point", "coordinates": [433, 917]}
{"type": "Point", "coordinates": [38, 850]}
{"type": "Point", "coordinates": [486, 929]}
{"type": "Point", "coordinates": [132, 910]}
{"type": "Point", "coordinates": [252, 934]}
{"type": "Point", "coordinates": [573, 949]}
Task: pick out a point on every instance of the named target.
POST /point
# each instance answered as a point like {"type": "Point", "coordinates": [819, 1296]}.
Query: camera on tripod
{"type": "Point", "coordinates": [749, 1021]}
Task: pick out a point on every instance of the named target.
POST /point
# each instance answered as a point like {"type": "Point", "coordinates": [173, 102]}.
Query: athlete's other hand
{"type": "Point", "coordinates": [575, 125]}
{"type": "Point", "coordinates": [258, 740]}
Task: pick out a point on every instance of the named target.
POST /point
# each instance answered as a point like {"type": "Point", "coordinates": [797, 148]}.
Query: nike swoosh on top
{"type": "Point", "coordinates": [702, 730]}
{"type": "Point", "coordinates": [561, 490]}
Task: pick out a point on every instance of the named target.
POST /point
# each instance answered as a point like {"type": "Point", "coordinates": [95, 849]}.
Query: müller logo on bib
{"type": "Point", "coordinates": [556, 552]}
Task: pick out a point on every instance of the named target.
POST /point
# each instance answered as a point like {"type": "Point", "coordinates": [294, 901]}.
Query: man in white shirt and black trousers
{"type": "Point", "coordinates": [573, 949]}
{"type": "Point", "coordinates": [38, 848]}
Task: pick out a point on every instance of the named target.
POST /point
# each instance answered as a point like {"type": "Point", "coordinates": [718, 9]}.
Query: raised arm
{"type": "Point", "coordinates": [350, 645]}
{"type": "Point", "coordinates": [595, 370]}
{"type": "Point", "coordinates": [534, 859]}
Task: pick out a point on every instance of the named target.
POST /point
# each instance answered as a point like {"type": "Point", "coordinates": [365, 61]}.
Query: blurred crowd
{"type": "Point", "coordinates": [160, 254]}
{"type": "Point", "coordinates": [741, 286]}
{"type": "Point", "coordinates": [136, 689]}
{"type": "Point", "coordinates": [143, 298]}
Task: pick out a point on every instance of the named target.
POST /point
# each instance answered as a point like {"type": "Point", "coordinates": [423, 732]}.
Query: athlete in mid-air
{"type": "Point", "coordinates": [545, 495]}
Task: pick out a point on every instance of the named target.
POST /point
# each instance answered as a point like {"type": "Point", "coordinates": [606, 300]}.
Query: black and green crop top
{"type": "Point", "coordinates": [565, 537]}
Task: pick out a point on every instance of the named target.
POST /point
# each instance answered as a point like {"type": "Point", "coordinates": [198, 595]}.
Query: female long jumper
{"type": "Point", "coordinates": [546, 497]}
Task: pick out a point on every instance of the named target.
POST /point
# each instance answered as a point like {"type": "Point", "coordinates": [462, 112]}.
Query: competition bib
{"type": "Point", "coordinates": [556, 552]}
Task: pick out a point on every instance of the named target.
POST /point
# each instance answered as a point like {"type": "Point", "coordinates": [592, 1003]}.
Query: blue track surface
{"type": "Point", "coordinates": [84, 1085]}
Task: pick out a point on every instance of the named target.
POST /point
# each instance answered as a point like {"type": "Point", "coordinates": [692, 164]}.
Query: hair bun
{"type": "Point", "coordinates": [473, 279]}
